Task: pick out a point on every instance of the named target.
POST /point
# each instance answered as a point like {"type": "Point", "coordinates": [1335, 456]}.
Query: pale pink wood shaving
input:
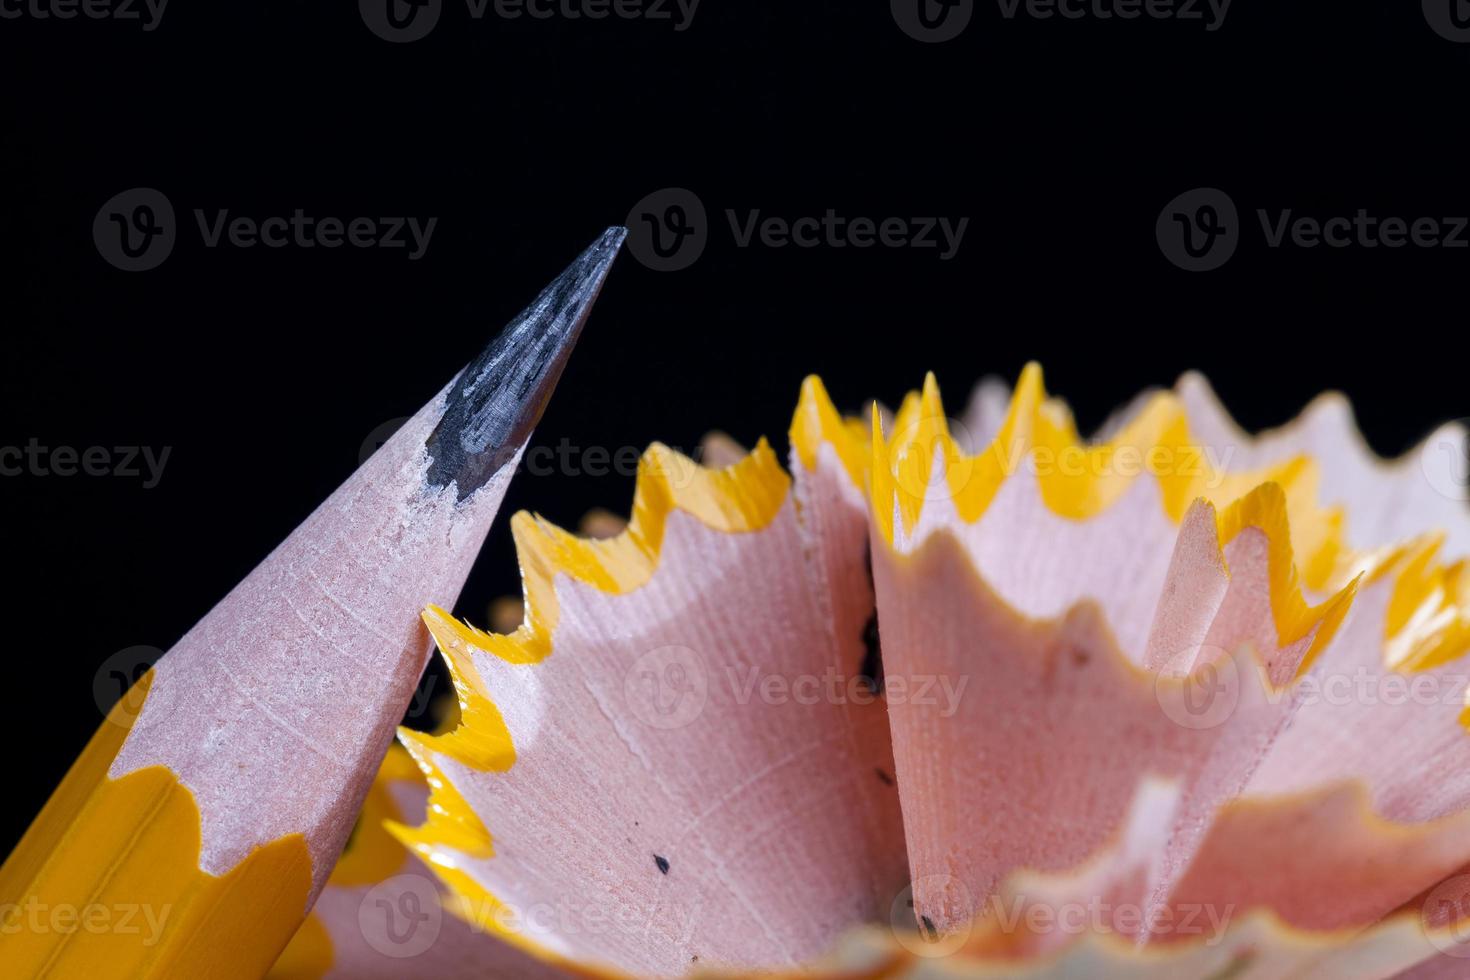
{"type": "Point", "coordinates": [1322, 861]}
{"type": "Point", "coordinates": [401, 928]}
{"type": "Point", "coordinates": [1399, 733]}
{"type": "Point", "coordinates": [1036, 765]}
{"type": "Point", "coordinates": [1030, 555]}
{"type": "Point", "coordinates": [1388, 501]}
{"type": "Point", "coordinates": [1193, 592]}
{"type": "Point", "coordinates": [778, 830]}
{"type": "Point", "coordinates": [1045, 743]}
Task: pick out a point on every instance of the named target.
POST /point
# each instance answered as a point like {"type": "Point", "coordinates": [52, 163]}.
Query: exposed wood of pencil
{"type": "Point", "coordinates": [200, 823]}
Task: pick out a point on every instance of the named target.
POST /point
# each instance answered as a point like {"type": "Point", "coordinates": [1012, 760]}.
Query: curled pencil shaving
{"type": "Point", "coordinates": [1067, 607]}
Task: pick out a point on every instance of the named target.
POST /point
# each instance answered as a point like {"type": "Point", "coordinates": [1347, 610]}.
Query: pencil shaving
{"type": "Point", "coordinates": [1047, 630]}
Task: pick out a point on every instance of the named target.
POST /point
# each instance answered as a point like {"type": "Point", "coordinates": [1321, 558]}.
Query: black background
{"type": "Point", "coordinates": [265, 369]}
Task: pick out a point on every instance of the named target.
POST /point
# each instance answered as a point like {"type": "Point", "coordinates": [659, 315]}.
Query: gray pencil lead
{"type": "Point", "coordinates": [496, 402]}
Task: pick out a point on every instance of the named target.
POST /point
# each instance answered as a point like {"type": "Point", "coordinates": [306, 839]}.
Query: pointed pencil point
{"type": "Point", "coordinates": [499, 398]}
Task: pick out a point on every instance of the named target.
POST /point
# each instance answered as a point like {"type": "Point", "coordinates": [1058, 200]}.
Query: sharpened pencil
{"type": "Point", "coordinates": [210, 807]}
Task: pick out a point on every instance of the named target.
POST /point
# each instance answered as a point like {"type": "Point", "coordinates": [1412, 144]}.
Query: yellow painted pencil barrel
{"type": "Point", "coordinates": [200, 823]}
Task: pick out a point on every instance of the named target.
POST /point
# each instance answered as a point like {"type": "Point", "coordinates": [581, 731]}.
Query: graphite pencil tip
{"type": "Point", "coordinates": [499, 398]}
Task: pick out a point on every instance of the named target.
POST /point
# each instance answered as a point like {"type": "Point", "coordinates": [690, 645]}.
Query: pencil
{"type": "Point", "coordinates": [193, 834]}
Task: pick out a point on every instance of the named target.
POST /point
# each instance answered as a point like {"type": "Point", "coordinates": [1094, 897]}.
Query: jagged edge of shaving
{"type": "Point", "coordinates": [743, 497]}
{"type": "Point", "coordinates": [1258, 500]}
{"type": "Point", "coordinates": [1319, 403]}
{"type": "Point", "coordinates": [1429, 618]}
{"type": "Point", "coordinates": [740, 498]}
{"type": "Point", "coordinates": [1429, 622]}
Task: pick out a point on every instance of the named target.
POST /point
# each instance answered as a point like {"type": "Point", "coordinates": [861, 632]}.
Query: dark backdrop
{"type": "Point", "coordinates": [263, 370]}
